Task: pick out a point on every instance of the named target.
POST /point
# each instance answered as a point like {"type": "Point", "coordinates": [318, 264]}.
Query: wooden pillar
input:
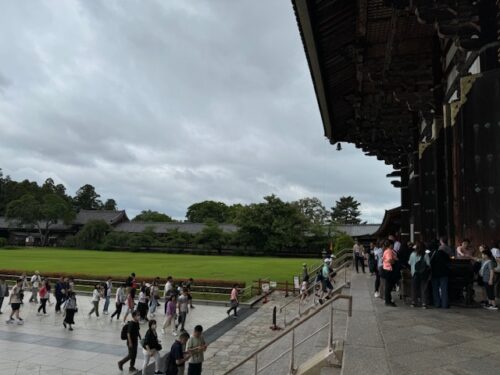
{"type": "Point", "coordinates": [405, 205]}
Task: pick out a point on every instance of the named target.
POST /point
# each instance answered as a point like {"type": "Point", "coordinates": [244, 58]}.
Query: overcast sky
{"type": "Point", "coordinates": [160, 104]}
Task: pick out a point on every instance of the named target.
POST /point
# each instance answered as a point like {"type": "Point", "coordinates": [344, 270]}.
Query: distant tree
{"type": "Point", "coordinates": [92, 235]}
{"type": "Point", "coordinates": [86, 198]}
{"type": "Point", "coordinates": [272, 226]}
{"type": "Point", "coordinates": [153, 216]}
{"type": "Point", "coordinates": [212, 235]}
{"type": "Point", "coordinates": [346, 211]}
{"type": "Point", "coordinates": [208, 210]}
{"type": "Point", "coordinates": [110, 205]}
{"type": "Point", "coordinates": [343, 241]}
{"type": "Point", "coordinates": [234, 211]}
{"type": "Point", "coordinates": [313, 210]}
{"type": "Point", "coordinates": [41, 215]}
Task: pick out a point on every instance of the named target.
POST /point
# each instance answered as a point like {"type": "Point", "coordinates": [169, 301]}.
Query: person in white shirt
{"type": "Point", "coordinates": [169, 288]}
{"type": "Point", "coordinates": [119, 301]}
{"type": "Point", "coordinates": [96, 296]}
{"type": "Point", "coordinates": [36, 279]}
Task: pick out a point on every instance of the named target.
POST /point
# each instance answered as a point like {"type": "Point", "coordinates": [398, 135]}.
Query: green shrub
{"type": "Point", "coordinates": [92, 235]}
{"type": "Point", "coordinates": [343, 241]}
{"type": "Point", "coordinates": [3, 242]}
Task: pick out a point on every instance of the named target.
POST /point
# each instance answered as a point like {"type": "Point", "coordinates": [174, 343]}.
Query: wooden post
{"type": "Point", "coordinates": [260, 287]}
{"type": "Point", "coordinates": [286, 288]}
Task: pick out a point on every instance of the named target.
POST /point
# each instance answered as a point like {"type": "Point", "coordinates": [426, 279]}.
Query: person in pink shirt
{"type": "Point", "coordinates": [389, 273]}
{"type": "Point", "coordinates": [234, 301]}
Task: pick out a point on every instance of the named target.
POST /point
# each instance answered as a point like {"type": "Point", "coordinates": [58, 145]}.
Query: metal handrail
{"type": "Point", "coordinates": [345, 264]}
{"type": "Point", "coordinates": [292, 330]}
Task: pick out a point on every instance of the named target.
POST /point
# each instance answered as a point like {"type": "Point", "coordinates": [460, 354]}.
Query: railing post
{"type": "Point", "coordinates": [256, 370]}
{"type": "Point", "coordinates": [330, 330]}
{"type": "Point", "coordinates": [292, 359]}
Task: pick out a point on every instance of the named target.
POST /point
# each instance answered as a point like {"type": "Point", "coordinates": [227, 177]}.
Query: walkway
{"type": "Point", "coordinates": [403, 340]}
{"type": "Point", "coordinates": [43, 347]}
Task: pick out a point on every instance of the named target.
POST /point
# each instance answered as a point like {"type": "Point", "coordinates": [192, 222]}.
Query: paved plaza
{"type": "Point", "coordinates": [403, 340]}
{"type": "Point", "coordinates": [42, 346]}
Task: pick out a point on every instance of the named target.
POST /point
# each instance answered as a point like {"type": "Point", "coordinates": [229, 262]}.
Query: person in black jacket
{"type": "Point", "coordinates": [151, 348]}
{"type": "Point", "coordinates": [132, 342]}
{"type": "Point", "coordinates": [440, 270]}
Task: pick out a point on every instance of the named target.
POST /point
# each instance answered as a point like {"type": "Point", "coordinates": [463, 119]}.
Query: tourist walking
{"type": "Point", "coordinates": [169, 288]}
{"type": "Point", "coordinates": [378, 253]}
{"type": "Point", "coordinates": [36, 281]}
{"type": "Point", "coordinates": [25, 285]}
{"type": "Point", "coordinates": [44, 297]}
{"type": "Point", "coordinates": [15, 300]}
{"type": "Point", "coordinates": [420, 271]}
{"type": "Point", "coordinates": [60, 294]}
{"type": "Point", "coordinates": [70, 309]}
{"type": "Point", "coordinates": [440, 270]}
{"type": "Point", "coordinates": [130, 304]}
{"type": "Point", "coordinates": [142, 305]}
{"type": "Point", "coordinates": [189, 287]}
{"type": "Point", "coordinates": [4, 292]}
{"type": "Point", "coordinates": [132, 338]}
{"type": "Point", "coordinates": [182, 305]}
{"type": "Point", "coordinates": [359, 256]}
{"type": "Point", "coordinates": [178, 357]}
{"type": "Point", "coordinates": [233, 300]}
{"type": "Point", "coordinates": [390, 271]}
{"type": "Point", "coordinates": [154, 298]}
{"type": "Point", "coordinates": [96, 296]}
{"type": "Point", "coordinates": [372, 263]}
{"type": "Point", "coordinates": [120, 300]}
{"type": "Point", "coordinates": [487, 272]}
{"type": "Point", "coordinates": [196, 346]}
{"type": "Point", "coordinates": [151, 348]}
{"type": "Point", "coordinates": [107, 290]}
{"type": "Point", "coordinates": [170, 310]}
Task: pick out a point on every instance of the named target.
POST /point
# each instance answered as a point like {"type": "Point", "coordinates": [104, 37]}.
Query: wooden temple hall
{"type": "Point", "coordinates": [416, 83]}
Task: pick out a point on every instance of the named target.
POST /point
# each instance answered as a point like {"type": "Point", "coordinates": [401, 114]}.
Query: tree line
{"type": "Point", "coordinates": [273, 225]}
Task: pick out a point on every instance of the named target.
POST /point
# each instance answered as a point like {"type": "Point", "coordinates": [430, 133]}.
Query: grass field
{"type": "Point", "coordinates": [121, 264]}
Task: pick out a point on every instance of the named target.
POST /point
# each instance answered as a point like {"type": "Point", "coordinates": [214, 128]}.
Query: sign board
{"type": "Point", "coordinates": [265, 287]}
{"type": "Point", "coordinates": [296, 282]}
{"type": "Point", "coordinates": [273, 284]}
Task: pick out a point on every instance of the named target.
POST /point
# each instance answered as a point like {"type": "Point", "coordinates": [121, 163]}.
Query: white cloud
{"type": "Point", "coordinates": [162, 104]}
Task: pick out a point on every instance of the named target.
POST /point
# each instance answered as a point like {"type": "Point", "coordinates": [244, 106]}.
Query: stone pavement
{"type": "Point", "coordinates": [403, 340]}
{"type": "Point", "coordinates": [42, 346]}
{"type": "Point", "coordinates": [254, 332]}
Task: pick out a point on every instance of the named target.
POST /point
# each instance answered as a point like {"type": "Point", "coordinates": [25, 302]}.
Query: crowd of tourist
{"type": "Point", "coordinates": [429, 266]}
{"type": "Point", "coordinates": [140, 301]}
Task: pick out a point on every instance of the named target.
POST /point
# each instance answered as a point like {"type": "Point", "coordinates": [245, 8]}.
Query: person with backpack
{"type": "Point", "coordinates": [178, 357]}
{"type": "Point", "coordinates": [420, 265]}
{"type": "Point", "coordinates": [15, 301]}
{"type": "Point", "coordinates": [70, 309]}
{"type": "Point", "coordinates": [440, 271]}
{"type": "Point", "coordinates": [151, 348]}
{"type": "Point", "coordinates": [131, 333]}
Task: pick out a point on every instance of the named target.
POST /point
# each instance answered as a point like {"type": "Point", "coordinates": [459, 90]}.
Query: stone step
{"type": "Point", "coordinates": [325, 358]}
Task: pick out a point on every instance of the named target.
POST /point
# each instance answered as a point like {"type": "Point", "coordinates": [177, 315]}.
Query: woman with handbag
{"type": "Point", "coordinates": [151, 348]}
{"type": "Point", "coordinates": [70, 309]}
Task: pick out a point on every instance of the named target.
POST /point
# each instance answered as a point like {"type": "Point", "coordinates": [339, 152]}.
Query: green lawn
{"type": "Point", "coordinates": [103, 263]}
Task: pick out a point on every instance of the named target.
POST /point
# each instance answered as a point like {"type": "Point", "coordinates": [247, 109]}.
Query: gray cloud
{"type": "Point", "coordinates": [160, 104]}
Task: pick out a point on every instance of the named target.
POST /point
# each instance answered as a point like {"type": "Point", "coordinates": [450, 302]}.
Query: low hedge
{"type": "Point", "coordinates": [197, 282]}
